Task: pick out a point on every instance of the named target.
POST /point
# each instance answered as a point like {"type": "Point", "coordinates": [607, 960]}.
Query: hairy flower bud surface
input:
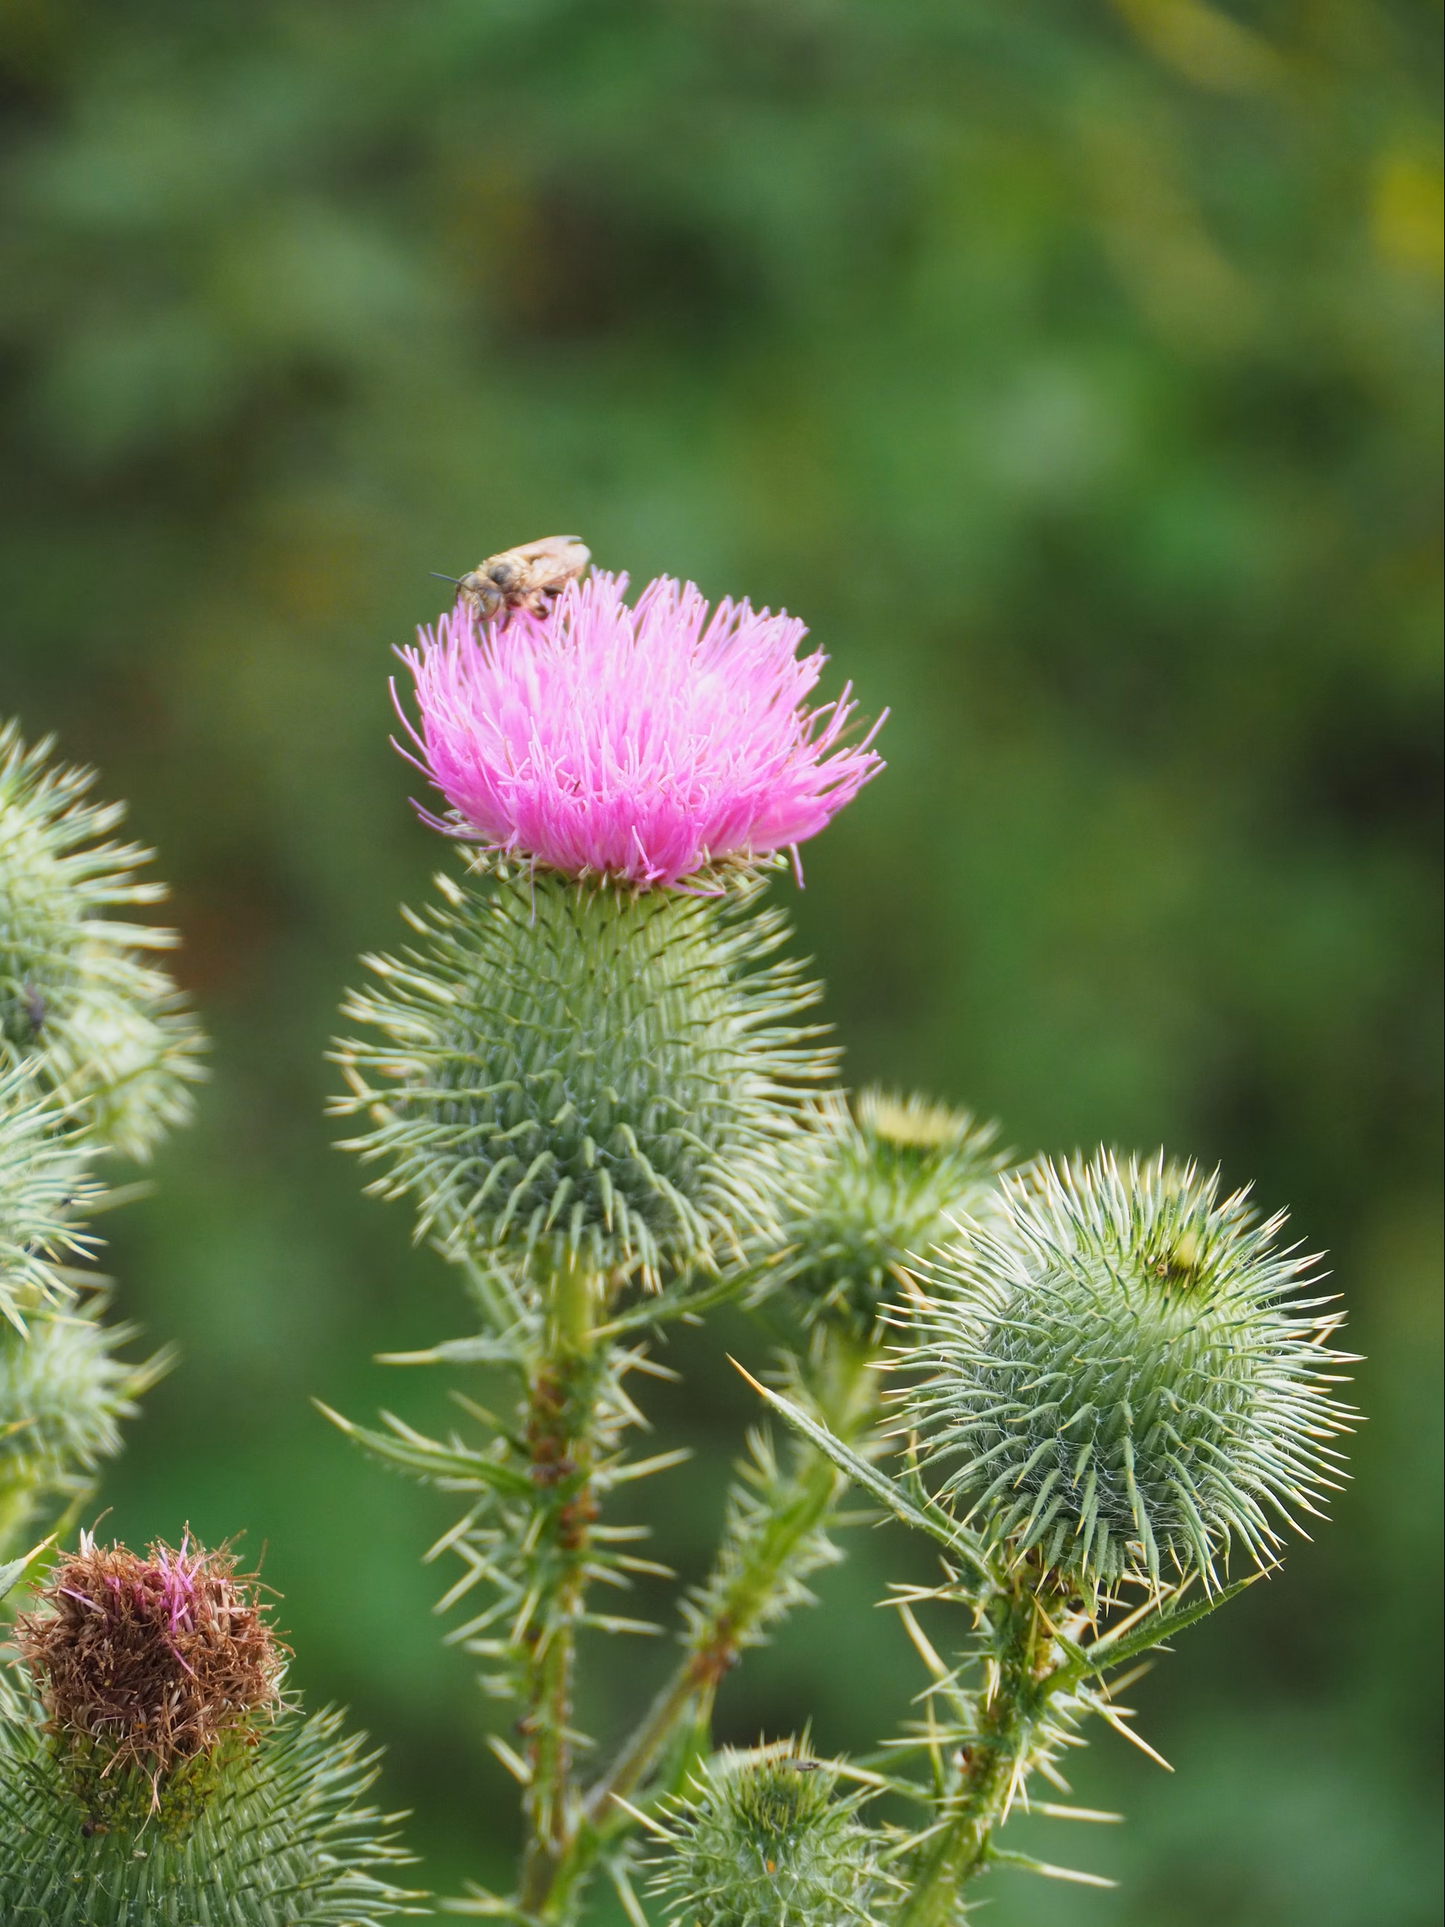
{"type": "Point", "coordinates": [97, 1024]}
{"type": "Point", "coordinates": [766, 1840]}
{"type": "Point", "coordinates": [572, 1068]}
{"type": "Point", "coordinates": [872, 1188]}
{"type": "Point", "coordinates": [1123, 1380]}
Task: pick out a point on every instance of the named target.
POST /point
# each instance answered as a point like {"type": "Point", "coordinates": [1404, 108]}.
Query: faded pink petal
{"type": "Point", "coordinates": [640, 743]}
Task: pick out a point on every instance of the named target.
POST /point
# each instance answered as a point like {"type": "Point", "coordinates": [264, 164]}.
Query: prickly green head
{"type": "Point", "coordinates": [63, 1394]}
{"type": "Point", "coordinates": [99, 1026]}
{"type": "Point", "coordinates": [767, 1840]}
{"type": "Point", "coordinates": [873, 1187]}
{"type": "Point", "coordinates": [572, 1069]}
{"type": "Point", "coordinates": [1122, 1376]}
{"type": "Point", "coordinates": [44, 1186]}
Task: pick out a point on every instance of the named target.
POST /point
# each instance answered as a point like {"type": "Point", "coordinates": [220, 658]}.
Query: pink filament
{"type": "Point", "coordinates": [639, 743]}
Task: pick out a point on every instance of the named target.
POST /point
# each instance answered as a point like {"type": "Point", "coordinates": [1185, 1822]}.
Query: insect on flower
{"type": "Point", "coordinates": [530, 577]}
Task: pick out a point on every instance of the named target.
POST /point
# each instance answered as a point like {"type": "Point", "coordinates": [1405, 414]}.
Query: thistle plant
{"type": "Point", "coordinates": [151, 1772]}
{"type": "Point", "coordinates": [1098, 1386]}
{"type": "Point", "coordinates": [1104, 1388]}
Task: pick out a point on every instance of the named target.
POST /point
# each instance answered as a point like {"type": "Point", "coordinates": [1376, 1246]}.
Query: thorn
{"type": "Point", "coordinates": [1048, 1870]}
{"type": "Point", "coordinates": [1133, 1738]}
{"type": "Point", "coordinates": [751, 1380]}
{"type": "Point", "coordinates": [1053, 1811]}
{"type": "Point", "coordinates": [921, 1642]}
{"type": "Point", "coordinates": [659, 1833]}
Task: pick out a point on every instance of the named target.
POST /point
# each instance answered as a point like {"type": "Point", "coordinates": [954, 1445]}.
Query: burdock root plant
{"type": "Point", "coordinates": [1103, 1389]}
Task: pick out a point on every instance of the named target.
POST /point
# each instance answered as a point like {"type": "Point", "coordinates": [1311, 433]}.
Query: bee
{"type": "Point", "coordinates": [530, 577]}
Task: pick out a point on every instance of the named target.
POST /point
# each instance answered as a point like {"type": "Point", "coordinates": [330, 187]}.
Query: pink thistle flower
{"type": "Point", "coordinates": [638, 743]}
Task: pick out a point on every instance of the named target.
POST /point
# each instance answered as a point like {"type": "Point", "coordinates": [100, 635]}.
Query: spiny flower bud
{"type": "Point", "coordinates": [869, 1191]}
{"type": "Point", "coordinates": [767, 1841]}
{"type": "Point", "coordinates": [572, 1068]}
{"type": "Point", "coordinates": [99, 1026]}
{"type": "Point", "coordinates": [63, 1393]}
{"type": "Point", "coordinates": [43, 1187]}
{"type": "Point", "coordinates": [158, 1779]}
{"type": "Point", "coordinates": [1122, 1375]}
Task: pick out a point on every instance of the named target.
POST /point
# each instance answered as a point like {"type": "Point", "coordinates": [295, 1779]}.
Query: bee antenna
{"type": "Point", "coordinates": [455, 580]}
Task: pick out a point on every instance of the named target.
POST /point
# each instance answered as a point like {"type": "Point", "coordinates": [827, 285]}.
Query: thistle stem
{"type": "Point", "coordinates": [990, 1768]}
{"type": "Point", "coordinates": [846, 1393]}
{"type": "Point", "coordinates": [561, 1414]}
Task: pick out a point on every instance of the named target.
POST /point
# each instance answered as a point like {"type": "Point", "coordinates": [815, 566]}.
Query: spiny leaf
{"type": "Point", "coordinates": [452, 1467]}
{"type": "Point", "coordinates": [957, 1539]}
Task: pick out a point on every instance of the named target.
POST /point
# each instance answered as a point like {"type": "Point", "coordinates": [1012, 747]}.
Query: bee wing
{"type": "Point", "coordinates": [554, 560]}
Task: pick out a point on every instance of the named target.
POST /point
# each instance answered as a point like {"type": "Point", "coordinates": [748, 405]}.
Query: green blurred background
{"type": "Point", "coordinates": [1073, 370]}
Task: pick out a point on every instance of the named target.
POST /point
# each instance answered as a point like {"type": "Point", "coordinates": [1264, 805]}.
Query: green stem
{"type": "Point", "coordinates": [847, 1394]}
{"type": "Point", "coordinates": [561, 1407]}
{"type": "Point", "coordinates": [990, 1767]}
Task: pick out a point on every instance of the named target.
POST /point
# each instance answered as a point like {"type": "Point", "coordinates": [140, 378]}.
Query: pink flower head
{"type": "Point", "coordinates": [640, 743]}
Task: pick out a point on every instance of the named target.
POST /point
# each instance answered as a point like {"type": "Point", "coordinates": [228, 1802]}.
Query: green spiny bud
{"type": "Point", "coordinates": [126, 1055]}
{"type": "Point", "coordinates": [572, 1068]}
{"type": "Point", "coordinates": [1122, 1375]}
{"type": "Point", "coordinates": [149, 1775]}
{"type": "Point", "coordinates": [43, 1186]}
{"type": "Point", "coordinates": [100, 1027]}
{"type": "Point", "coordinates": [63, 1394]}
{"type": "Point", "coordinates": [766, 1840]}
{"type": "Point", "coordinates": [871, 1190]}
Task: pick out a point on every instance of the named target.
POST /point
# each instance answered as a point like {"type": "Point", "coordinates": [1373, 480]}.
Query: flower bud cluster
{"type": "Point", "coordinates": [590, 1070]}
{"type": "Point", "coordinates": [1122, 1378]}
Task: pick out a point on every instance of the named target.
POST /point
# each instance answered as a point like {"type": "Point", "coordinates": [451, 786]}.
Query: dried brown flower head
{"type": "Point", "coordinates": [150, 1661]}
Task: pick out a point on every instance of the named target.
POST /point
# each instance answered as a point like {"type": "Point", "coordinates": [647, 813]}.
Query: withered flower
{"type": "Point", "coordinates": [151, 1661]}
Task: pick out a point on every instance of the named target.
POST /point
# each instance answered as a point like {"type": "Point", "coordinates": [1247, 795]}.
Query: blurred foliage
{"type": "Point", "coordinates": [1073, 369]}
